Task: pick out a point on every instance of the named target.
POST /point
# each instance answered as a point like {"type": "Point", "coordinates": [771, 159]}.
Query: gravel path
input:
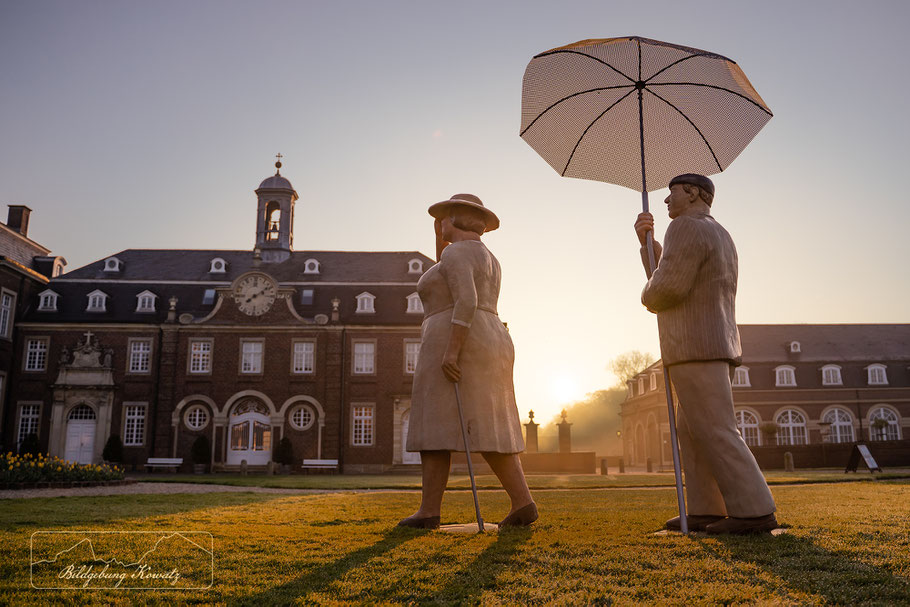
{"type": "Point", "coordinates": [157, 488]}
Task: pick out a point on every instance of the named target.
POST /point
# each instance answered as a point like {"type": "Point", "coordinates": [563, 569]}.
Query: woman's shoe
{"type": "Point", "coordinates": [427, 522]}
{"type": "Point", "coordinates": [522, 517]}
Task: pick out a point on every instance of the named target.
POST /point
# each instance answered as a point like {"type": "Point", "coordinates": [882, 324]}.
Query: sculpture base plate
{"type": "Point", "coordinates": [469, 528]}
{"type": "Point", "coordinates": [666, 532]}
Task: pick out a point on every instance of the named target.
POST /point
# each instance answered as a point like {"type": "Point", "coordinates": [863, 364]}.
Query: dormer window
{"type": "Point", "coordinates": [641, 385]}
{"type": "Point", "coordinates": [785, 376]}
{"type": "Point", "coordinates": [218, 266]}
{"type": "Point", "coordinates": [97, 301]}
{"type": "Point", "coordinates": [311, 266]}
{"type": "Point", "coordinates": [741, 378]}
{"type": "Point", "coordinates": [415, 266]}
{"type": "Point", "coordinates": [146, 302]}
{"type": "Point", "coordinates": [47, 301]}
{"type": "Point", "coordinates": [878, 375]}
{"type": "Point", "coordinates": [306, 297]}
{"type": "Point", "coordinates": [415, 306]}
{"type": "Point", "coordinates": [653, 381]}
{"type": "Point", "coordinates": [831, 376]}
{"type": "Point", "coordinates": [794, 347]}
{"type": "Point", "coordinates": [112, 264]}
{"type": "Point", "coordinates": [58, 267]}
{"type": "Point", "coordinates": [365, 303]}
{"type": "Point", "coordinates": [208, 298]}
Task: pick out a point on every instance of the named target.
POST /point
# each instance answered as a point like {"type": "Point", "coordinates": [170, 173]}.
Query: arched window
{"type": "Point", "coordinates": [840, 429]}
{"type": "Point", "coordinates": [272, 220]}
{"type": "Point", "coordinates": [884, 424]}
{"type": "Point", "coordinates": [82, 411]}
{"type": "Point", "coordinates": [415, 266]}
{"type": "Point", "coordinates": [311, 266]}
{"type": "Point", "coordinates": [641, 386]}
{"type": "Point", "coordinates": [741, 378]}
{"type": "Point", "coordinates": [784, 376]}
{"type": "Point", "coordinates": [415, 306]}
{"type": "Point", "coordinates": [791, 428]}
{"type": "Point", "coordinates": [747, 424]}
{"type": "Point", "coordinates": [878, 375]}
{"type": "Point", "coordinates": [795, 347]}
{"type": "Point", "coordinates": [831, 376]}
{"type": "Point", "coordinates": [218, 266]}
{"type": "Point", "coordinates": [112, 264]}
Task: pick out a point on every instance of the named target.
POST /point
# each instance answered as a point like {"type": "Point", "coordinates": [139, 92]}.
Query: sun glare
{"type": "Point", "coordinates": [564, 389]}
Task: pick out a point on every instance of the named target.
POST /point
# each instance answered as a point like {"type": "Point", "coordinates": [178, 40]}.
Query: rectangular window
{"type": "Point", "coordinates": [146, 304]}
{"type": "Point", "coordinates": [28, 422]}
{"type": "Point", "coordinates": [364, 357]}
{"type": "Point", "coordinates": [785, 377]}
{"type": "Point", "coordinates": [208, 298]}
{"type": "Point", "coordinates": [411, 352]}
{"type": "Point", "coordinates": [306, 297]}
{"type": "Point", "coordinates": [362, 430]}
{"type": "Point", "coordinates": [831, 376]}
{"type": "Point", "coordinates": [48, 302]}
{"type": "Point", "coordinates": [741, 377]}
{"type": "Point", "coordinates": [251, 357]}
{"type": "Point", "coordinates": [200, 357]}
{"type": "Point", "coordinates": [133, 425]}
{"type": "Point", "coordinates": [304, 355]}
{"type": "Point", "coordinates": [140, 355]}
{"type": "Point", "coordinates": [6, 315]}
{"type": "Point", "coordinates": [877, 376]}
{"type": "Point", "coordinates": [36, 355]}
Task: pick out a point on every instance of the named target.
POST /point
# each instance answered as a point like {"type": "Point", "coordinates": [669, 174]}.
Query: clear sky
{"type": "Point", "coordinates": [149, 125]}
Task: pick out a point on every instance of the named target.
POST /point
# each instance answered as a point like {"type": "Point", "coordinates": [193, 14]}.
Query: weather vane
{"type": "Point", "coordinates": [278, 164]}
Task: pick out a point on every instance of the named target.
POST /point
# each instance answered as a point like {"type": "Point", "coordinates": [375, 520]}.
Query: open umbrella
{"type": "Point", "coordinates": [637, 112]}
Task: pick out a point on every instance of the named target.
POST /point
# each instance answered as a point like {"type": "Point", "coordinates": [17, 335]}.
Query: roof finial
{"type": "Point", "coordinates": [278, 164]}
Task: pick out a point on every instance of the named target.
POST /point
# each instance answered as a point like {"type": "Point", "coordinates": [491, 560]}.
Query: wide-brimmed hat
{"type": "Point", "coordinates": [441, 209]}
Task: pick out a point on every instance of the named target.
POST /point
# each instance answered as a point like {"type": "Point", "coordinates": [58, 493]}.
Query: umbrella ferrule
{"type": "Point", "coordinates": [640, 85]}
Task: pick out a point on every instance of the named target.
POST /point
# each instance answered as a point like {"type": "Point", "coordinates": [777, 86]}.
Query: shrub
{"type": "Point", "coordinates": [113, 450]}
{"type": "Point", "coordinates": [30, 445]}
{"type": "Point", "coordinates": [284, 452]}
{"type": "Point", "coordinates": [201, 451]}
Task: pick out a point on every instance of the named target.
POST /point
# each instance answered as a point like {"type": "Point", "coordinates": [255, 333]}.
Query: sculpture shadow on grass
{"type": "Point", "coordinates": [802, 565]}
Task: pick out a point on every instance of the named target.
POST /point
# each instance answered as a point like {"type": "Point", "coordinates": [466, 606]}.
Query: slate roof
{"type": "Point", "coordinates": [826, 343]}
{"type": "Point", "coordinates": [185, 274]}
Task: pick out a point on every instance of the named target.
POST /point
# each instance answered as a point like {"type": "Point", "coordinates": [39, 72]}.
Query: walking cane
{"type": "Point", "coordinates": [467, 452]}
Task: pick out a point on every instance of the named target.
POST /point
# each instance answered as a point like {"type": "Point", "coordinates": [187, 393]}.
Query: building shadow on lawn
{"type": "Point", "coordinates": [803, 565]}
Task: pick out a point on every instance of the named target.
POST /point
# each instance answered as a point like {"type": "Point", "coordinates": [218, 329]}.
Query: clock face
{"type": "Point", "coordinates": [255, 293]}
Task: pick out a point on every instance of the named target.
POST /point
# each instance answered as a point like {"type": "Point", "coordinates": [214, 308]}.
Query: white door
{"type": "Point", "coordinates": [407, 457]}
{"type": "Point", "coordinates": [80, 441]}
{"type": "Point", "coordinates": [250, 439]}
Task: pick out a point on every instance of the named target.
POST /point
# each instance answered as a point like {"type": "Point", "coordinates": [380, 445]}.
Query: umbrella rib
{"type": "Point", "coordinates": [713, 86]}
{"type": "Point", "coordinates": [603, 88]}
{"type": "Point", "coordinates": [588, 56]}
{"type": "Point", "coordinates": [577, 143]}
{"type": "Point", "coordinates": [700, 134]}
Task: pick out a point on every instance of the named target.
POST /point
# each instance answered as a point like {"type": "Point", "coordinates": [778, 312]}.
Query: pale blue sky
{"type": "Point", "coordinates": [128, 124]}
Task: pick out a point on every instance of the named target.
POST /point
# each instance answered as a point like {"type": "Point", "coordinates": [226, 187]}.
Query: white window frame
{"type": "Point", "coordinates": [146, 302]}
{"type": "Point", "coordinates": [139, 355]}
{"type": "Point", "coordinates": [36, 349]}
{"type": "Point", "coordinates": [311, 266]}
{"type": "Point", "coordinates": [7, 313]}
{"type": "Point", "coordinates": [782, 373]}
{"type": "Point", "coordinates": [363, 424]}
{"type": "Point", "coordinates": [411, 355]}
{"type": "Point", "coordinates": [34, 421]}
{"type": "Point", "coordinates": [831, 375]}
{"type": "Point", "coordinates": [303, 357]}
{"type": "Point", "coordinates": [790, 432]}
{"type": "Point", "coordinates": [47, 300]}
{"type": "Point", "coordinates": [415, 266]}
{"type": "Point", "coordinates": [217, 266]}
{"type": "Point", "coordinates": [112, 264]}
{"type": "Point", "coordinates": [200, 354]}
{"type": "Point", "coordinates": [839, 419]}
{"type": "Point", "coordinates": [191, 414]}
{"type": "Point", "coordinates": [363, 362]}
{"type": "Point", "coordinates": [641, 386]}
{"type": "Point", "coordinates": [366, 303]}
{"type": "Point", "coordinates": [252, 356]}
{"type": "Point", "coordinates": [795, 347]}
{"type": "Point", "coordinates": [877, 375]}
{"type": "Point", "coordinates": [415, 306]}
{"type": "Point", "coordinates": [134, 423]}
{"type": "Point", "coordinates": [97, 301]}
{"type": "Point", "coordinates": [300, 408]}
{"type": "Point", "coordinates": [741, 377]}
{"type": "Point", "coordinates": [894, 423]}
{"type": "Point", "coordinates": [652, 379]}
{"type": "Point", "coordinates": [751, 431]}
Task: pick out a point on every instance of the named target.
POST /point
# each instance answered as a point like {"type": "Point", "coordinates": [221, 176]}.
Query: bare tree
{"type": "Point", "coordinates": [629, 364]}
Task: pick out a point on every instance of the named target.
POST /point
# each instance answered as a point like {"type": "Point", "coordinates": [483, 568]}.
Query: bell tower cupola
{"type": "Point", "coordinates": [275, 217]}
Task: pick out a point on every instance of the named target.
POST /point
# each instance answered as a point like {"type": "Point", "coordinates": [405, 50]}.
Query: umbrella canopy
{"type": "Point", "coordinates": [637, 112]}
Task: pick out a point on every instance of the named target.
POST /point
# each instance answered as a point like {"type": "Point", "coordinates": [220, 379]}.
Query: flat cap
{"type": "Point", "coordinates": [694, 179]}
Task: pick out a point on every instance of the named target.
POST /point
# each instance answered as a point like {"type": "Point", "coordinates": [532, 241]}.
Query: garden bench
{"type": "Point", "coordinates": [320, 464]}
{"type": "Point", "coordinates": [164, 462]}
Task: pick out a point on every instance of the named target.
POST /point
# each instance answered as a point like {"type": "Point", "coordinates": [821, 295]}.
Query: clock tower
{"type": "Point", "coordinates": [275, 217]}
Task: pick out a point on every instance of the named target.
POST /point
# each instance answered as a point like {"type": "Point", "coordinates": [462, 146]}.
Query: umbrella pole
{"type": "Point", "coordinates": [671, 410]}
{"type": "Point", "coordinates": [467, 452]}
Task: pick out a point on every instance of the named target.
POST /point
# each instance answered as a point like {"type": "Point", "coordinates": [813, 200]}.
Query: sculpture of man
{"type": "Point", "coordinates": [692, 291]}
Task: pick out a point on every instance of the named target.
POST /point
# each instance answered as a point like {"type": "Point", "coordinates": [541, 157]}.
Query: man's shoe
{"type": "Point", "coordinates": [697, 522]}
{"type": "Point", "coordinates": [427, 522]}
{"type": "Point", "coordinates": [522, 517]}
{"type": "Point", "coordinates": [743, 526]}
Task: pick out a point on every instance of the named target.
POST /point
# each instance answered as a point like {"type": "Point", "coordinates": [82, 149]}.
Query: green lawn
{"type": "Point", "coordinates": [847, 543]}
{"type": "Point", "coordinates": [536, 481]}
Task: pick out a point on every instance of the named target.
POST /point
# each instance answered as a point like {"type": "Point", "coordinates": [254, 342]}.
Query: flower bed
{"type": "Point", "coordinates": [20, 469]}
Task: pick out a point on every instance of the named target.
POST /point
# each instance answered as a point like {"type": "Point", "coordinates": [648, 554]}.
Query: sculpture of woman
{"type": "Point", "coordinates": [464, 341]}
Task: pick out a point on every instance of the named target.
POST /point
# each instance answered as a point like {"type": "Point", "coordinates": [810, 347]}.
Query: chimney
{"type": "Point", "coordinates": [18, 218]}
